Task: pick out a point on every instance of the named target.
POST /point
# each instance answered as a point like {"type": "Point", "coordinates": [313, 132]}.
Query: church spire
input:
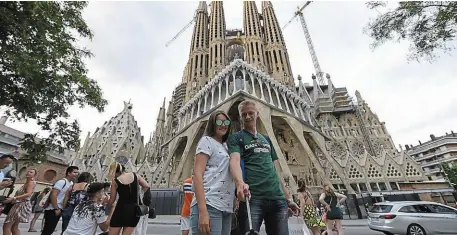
{"type": "Point", "coordinates": [254, 39]}
{"type": "Point", "coordinates": [276, 51]}
{"type": "Point", "coordinates": [198, 57]}
{"type": "Point", "coordinates": [216, 39]}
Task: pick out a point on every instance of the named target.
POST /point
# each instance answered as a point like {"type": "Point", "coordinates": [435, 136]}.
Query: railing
{"type": "Point", "coordinates": [430, 163]}
{"type": "Point", "coordinates": [433, 144]}
{"type": "Point", "coordinates": [437, 152]}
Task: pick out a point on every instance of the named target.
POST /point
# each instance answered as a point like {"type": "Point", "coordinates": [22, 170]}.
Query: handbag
{"type": "Point", "coordinates": [324, 215]}
{"type": "Point", "coordinates": [140, 209]}
{"type": "Point", "coordinates": [7, 208]}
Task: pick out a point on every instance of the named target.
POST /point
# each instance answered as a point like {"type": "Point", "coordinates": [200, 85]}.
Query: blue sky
{"type": "Point", "coordinates": [132, 63]}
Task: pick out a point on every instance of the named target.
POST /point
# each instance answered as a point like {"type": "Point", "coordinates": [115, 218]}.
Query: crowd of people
{"type": "Point", "coordinates": [232, 173]}
{"type": "Point", "coordinates": [83, 205]}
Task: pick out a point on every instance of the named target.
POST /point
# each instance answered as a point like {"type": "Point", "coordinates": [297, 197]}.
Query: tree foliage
{"type": "Point", "coordinates": [451, 172]}
{"type": "Point", "coordinates": [430, 26]}
{"type": "Point", "coordinates": [42, 72]}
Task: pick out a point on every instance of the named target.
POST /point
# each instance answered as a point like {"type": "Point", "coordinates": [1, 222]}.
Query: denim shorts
{"type": "Point", "coordinates": [220, 221]}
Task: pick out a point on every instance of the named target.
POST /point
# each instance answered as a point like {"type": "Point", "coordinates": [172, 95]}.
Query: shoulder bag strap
{"type": "Point", "coordinates": [138, 199]}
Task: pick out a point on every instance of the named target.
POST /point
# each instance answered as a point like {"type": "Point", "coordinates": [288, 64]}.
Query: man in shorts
{"type": "Point", "coordinates": [185, 212]}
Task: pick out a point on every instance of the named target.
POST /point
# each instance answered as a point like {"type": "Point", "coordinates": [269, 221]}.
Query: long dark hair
{"type": "Point", "coordinates": [211, 125]}
{"type": "Point", "coordinates": [301, 186]}
{"type": "Point", "coordinates": [85, 177]}
{"type": "Point", "coordinates": [88, 206]}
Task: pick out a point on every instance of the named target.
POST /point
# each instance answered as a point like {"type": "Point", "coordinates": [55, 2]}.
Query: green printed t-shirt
{"type": "Point", "coordinates": [259, 171]}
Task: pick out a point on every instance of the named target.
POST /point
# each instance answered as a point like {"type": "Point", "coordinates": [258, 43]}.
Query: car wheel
{"type": "Point", "coordinates": [415, 229]}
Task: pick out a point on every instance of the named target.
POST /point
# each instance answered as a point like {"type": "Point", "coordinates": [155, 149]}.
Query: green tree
{"type": "Point", "coordinates": [42, 72]}
{"type": "Point", "coordinates": [430, 26]}
{"type": "Point", "coordinates": [451, 171]}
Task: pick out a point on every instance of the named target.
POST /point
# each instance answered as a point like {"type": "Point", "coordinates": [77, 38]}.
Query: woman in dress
{"type": "Point", "coordinates": [212, 206]}
{"type": "Point", "coordinates": [37, 209]}
{"type": "Point", "coordinates": [90, 213]}
{"type": "Point", "coordinates": [125, 185]}
{"type": "Point", "coordinates": [22, 208]}
{"type": "Point", "coordinates": [331, 202]}
{"type": "Point", "coordinates": [308, 209]}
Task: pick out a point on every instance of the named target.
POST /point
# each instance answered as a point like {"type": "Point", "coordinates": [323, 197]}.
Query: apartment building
{"type": "Point", "coordinates": [433, 154]}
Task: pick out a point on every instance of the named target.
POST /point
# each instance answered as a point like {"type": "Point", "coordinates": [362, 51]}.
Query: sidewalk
{"type": "Point", "coordinates": [174, 220]}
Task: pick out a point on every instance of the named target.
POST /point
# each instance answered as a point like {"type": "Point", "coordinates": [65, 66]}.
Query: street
{"type": "Point", "coordinates": [173, 229]}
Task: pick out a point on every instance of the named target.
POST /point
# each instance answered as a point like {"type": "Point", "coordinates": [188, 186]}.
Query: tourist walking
{"type": "Point", "coordinates": [212, 206]}
{"type": "Point", "coordinates": [21, 210]}
{"type": "Point", "coordinates": [37, 210]}
{"type": "Point", "coordinates": [125, 185]}
{"type": "Point", "coordinates": [308, 209]}
{"type": "Point", "coordinates": [331, 201]}
{"type": "Point", "coordinates": [73, 196]}
{"type": "Point", "coordinates": [253, 164]}
{"type": "Point", "coordinates": [185, 211]}
{"type": "Point", "coordinates": [90, 213]}
{"type": "Point", "coordinates": [54, 209]}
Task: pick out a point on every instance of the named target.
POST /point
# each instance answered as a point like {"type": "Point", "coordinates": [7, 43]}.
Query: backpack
{"type": "Point", "coordinates": [76, 197]}
{"type": "Point", "coordinates": [44, 202]}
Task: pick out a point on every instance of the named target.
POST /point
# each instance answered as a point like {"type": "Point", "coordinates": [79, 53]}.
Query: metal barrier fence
{"type": "Point", "coordinates": [167, 201]}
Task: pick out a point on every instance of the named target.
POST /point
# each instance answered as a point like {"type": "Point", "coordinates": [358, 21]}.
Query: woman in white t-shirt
{"type": "Point", "coordinates": [90, 213]}
{"type": "Point", "coordinates": [212, 206]}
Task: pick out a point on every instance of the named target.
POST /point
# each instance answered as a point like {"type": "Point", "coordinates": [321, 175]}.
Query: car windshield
{"type": "Point", "coordinates": [380, 208]}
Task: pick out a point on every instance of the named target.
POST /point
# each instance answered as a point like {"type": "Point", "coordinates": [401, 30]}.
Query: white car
{"type": "Point", "coordinates": [412, 218]}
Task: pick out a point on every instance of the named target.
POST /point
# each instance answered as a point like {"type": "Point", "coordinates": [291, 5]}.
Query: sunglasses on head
{"type": "Point", "coordinates": [220, 122]}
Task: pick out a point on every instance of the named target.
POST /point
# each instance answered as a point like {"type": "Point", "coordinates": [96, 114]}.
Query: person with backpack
{"type": "Point", "coordinates": [53, 201]}
{"type": "Point", "coordinates": [254, 167]}
{"type": "Point", "coordinates": [90, 214]}
{"type": "Point", "coordinates": [73, 196]}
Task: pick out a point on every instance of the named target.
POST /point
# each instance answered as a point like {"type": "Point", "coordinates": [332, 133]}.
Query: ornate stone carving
{"type": "Point", "coordinates": [337, 150]}
{"type": "Point", "coordinates": [358, 148]}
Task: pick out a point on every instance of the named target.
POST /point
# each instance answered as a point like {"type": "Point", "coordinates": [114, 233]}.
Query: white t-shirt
{"type": "Point", "coordinates": [87, 222]}
{"type": "Point", "coordinates": [217, 180]}
{"type": "Point", "coordinates": [62, 185]}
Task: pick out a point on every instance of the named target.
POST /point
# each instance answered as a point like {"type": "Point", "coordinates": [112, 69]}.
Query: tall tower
{"type": "Point", "coordinates": [275, 47]}
{"type": "Point", "coordinates": [198, 57]}
{"type": "Point", "coordinates": [255, 54]}
{"type": "Point", "coordinates": [217, 42]}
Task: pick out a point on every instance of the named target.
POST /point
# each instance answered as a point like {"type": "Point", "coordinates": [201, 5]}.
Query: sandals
{"type": "Point", "coordinates": [32, 231]}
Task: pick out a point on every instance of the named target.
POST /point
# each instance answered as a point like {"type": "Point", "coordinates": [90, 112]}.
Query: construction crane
{"type": "Point", "coordinates": [184, 29]}
{"type": "Point", "coordinates": [180, 32]}
{"type": "Point", "coordinates": [317, 67]}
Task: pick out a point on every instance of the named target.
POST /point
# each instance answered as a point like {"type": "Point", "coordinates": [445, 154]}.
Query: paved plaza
{"type": "Point", "coordinates": [169, 225]}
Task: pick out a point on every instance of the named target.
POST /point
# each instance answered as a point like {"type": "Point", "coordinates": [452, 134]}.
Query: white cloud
{"type": "Point", "coordinates": [132, 62]}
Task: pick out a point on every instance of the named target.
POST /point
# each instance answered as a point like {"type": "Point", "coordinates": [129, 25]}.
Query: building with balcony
{"type": "Point", "coordinates": [432, 154]}
{"type": "Point", "coordinates": [48, 172]}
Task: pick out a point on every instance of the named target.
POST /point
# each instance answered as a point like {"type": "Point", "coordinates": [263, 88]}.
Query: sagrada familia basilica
{"type": "Point", "coordinates": [321, 133]}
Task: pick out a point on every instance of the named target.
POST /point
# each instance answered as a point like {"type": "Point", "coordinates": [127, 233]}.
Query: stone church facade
{"type": "Point", "coordinates": [320, 133]}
